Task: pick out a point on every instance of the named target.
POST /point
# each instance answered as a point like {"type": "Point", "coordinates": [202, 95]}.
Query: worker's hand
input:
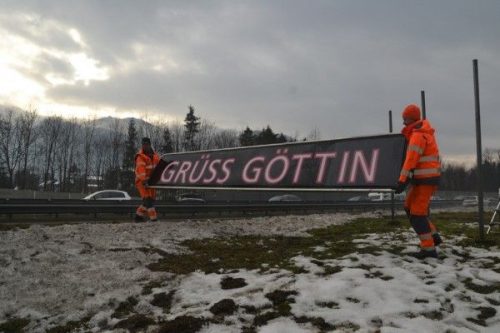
{"type": "Point", "coordinates": [400, 187]}
{"type": "Point", "coordinates": [145, 183]}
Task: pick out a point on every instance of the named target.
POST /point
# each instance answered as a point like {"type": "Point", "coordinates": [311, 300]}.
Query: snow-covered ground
{"type": "Point", "coordinates": [53, 275]}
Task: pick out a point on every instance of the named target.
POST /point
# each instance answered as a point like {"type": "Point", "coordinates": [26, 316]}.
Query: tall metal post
{"type": "Point", "coordinates": [422, 98]}
{"type": "Point", "coordinates": [392, 193]}
{"type": "Point", "coordinates": [479, 150]}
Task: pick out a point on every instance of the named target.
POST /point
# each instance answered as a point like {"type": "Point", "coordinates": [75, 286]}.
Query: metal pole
{"type": "Point", "coordinates": [478, 151]}
{"type": "Point", "coordinates": [422, 98]}
{"type": "Point", "coordinates": [390, 121]}
{"type": "Point", "coordinates": [392, 193]}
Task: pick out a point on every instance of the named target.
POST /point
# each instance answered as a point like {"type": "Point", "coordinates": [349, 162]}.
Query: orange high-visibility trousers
{"type": "Point", "coordinates": [417, 207]}
{"type": "Point", "coordinates": [418, 199]}
{"type": "Point", "coordinates": [145, 192]}
{"type": "Point", "coordinates": [148, 196]}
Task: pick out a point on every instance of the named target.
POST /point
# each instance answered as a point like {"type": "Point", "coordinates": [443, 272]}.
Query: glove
{"type": "Point", "coordinates": [400, 187]}
{"type": "Point", "coordinates": [145, 183]}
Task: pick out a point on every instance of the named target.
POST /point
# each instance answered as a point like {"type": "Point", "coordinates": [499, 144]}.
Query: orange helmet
{"type": "Point", "coordinates": [412, 111]}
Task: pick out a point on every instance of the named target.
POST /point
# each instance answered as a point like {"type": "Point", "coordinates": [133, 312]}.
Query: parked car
{"type": "Point", "coordinates": [470, 201]}
{"type": "Point", "coordinates": [358, 198]}
{"type": "Point", "coordinates": [190, 198]}
{"type": "Point", "coordinates": [285, 198]}
{"type": "Point", "coordinates": [490, 201]}
{"type": "Point", "coordinates": [379, 196]}
{"type": "Point", "coordinates": [108, 195]}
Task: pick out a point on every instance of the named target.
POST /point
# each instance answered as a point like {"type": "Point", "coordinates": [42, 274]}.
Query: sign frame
{"type": "Point", "coordinates": [400, 159]}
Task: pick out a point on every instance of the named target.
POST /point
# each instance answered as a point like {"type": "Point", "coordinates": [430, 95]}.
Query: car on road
{"type": "Point", "coordinates": [190, 198]}
{"type": "Point", "coordinates": [114, 195]}
{"type": "Point", "coordinates": [470, 201]}
{"type": "Point", "coordinates": [379, 196]}
{"type": "Point", "coordinates": [359, 198]}
{"type": "Point", "coordinates": [285, 198]}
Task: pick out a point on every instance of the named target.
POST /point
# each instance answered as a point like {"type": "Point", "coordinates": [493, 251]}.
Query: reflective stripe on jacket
{"type": "Point", "coordinates": [422, 162]}
{"type": "Point", "coordinates": [144, 165]}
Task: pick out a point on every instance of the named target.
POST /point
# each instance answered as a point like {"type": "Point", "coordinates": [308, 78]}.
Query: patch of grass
{"type": "Point", "coordinates": [7, 227]}
{"type": "Point", "coordinates": [484, 314]}
{"type": "Point", "coordinates": [135, 323]}
{"type": "Point", "coordinates": [163, 300]}
{"type": "Point", "coordinates": [329, 305]}
{"type": "Point", "coordinates": [265, 253]}
{"type": "Point", "coordinates": [352, 300]}
{"type": "Point", "coordinates": [125, 308]}
{"type": "Point", "coordinates": [347, 326]}
{"type": "Point", "coordinates": [465, 224]}
{"type": "Point", "coordinates": [223, 307]}
{"type": "Point", "coordinates": [148, 288]}
{"type": "Point", "coordinates": [433, 315]}
{"type": "Point", "coordinates": [14, 325]}
{"type": "Point", "coordinates": [70, 326]}
{"type": "Point", "coordinates": [152, 250]}
{"type": "Point", "coordinates": [263, 318]}
{"type": "Point", "coordinates": [319, 322]}
{"type": "Point", "coordinates": [492, 301]}
{"type": "Point", "coordinates": [449, 287]}
{"type": "Point", "coordinates": [281, 296]}
{"type": "Point", "coordinates": [232, 283]}
{"type": "Point", "coordinates": [487, 289]}
{"type": "Point", "coordinates": [418, 300]}
{"type": "Point", "coordinates": [330, 270]}
{"type": "Point", "coordinates": [182, 324]}
{"type": "Point", "coordinates": [251, 252]}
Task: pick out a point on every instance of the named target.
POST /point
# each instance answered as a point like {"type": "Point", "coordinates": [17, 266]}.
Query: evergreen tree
{"type": "Point", "coordinates": [192, 127]}
{"type": "Point", "coordinates": [4, 179]}
{"type": "Point", "coordinates": [167, 146]}
{"type": "Point", "coordinates": [127, 174]}
{"type": "Point", "coordinates": [111, 180]}
{"type": "Point", "coordinates": [281, 138]}
{"type": "Point", "coordinates": [267, 136]}
{"type": "Point", "coordinates": [247, 137]}
{"type": "Point", "coordinates": [130, 147]}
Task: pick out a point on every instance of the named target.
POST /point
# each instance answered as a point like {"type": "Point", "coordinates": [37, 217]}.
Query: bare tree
{"type": "Point", "coordinates": [50, 129]}
{"type": "Point", "coordinates": [314, 134]}
{"type": "Point", "coordinates": [225, 139]}
{"type": "Point", "coordinates": [65, 153]}
{"type": "Point", "coordinates": [27, 139]}
{"type": "Point", "coordinates": [114, 147]}
{"type": "Point", "coordinates": [177, 134]}
{"type": "Point", "coordinates": [10, 143]}
{"type": "Point", "coordinates": [88, 148]}
{"type": "Point", "coordinates": [204, 138]}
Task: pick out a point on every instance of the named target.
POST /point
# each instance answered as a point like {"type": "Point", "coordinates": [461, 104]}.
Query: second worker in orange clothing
{"type": "Point", "coordinates": [145, 162]}
{"type": "Point", "coordinates": [422, 169]}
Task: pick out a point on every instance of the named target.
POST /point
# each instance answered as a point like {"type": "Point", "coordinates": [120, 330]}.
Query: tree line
{"type": "Point", "coordinates": [74, 155]}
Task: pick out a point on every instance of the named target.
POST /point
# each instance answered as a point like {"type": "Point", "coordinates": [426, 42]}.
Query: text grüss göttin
{"type": "Point", "coordinates": [321, 168]}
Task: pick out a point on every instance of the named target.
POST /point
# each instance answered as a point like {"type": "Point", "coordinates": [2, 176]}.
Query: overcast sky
{"type": "Point", "coordinates": [337, 66]}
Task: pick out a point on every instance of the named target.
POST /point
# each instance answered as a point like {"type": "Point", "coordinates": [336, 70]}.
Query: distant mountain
{"type": "Point", "coordinates": [111, 122]}
{"type": "Point", "coordinates": [6, 108]}
{"type": "Point", "coordinates": [105, 123]}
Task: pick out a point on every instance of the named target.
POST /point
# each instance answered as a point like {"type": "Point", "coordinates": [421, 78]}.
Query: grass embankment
{"type": "Point", "coordinates": [226, 254]}
{"type": "Point", "coordinates": [267, 252]}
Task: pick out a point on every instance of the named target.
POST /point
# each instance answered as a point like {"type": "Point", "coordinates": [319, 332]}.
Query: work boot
{"type": "Point", "coordinates": [155, 220]}
{"type": "Point", "coordinates": [437, 239]}
{"type": "Point", "coordinates": [138, 218]}
{"type": "Point", "coordinates": [424, 254]}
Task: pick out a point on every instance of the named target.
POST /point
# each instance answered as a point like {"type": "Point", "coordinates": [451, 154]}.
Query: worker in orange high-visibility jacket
{"type": "Point", "coordinates": [145, 162]}
{"type": "Point", "coordinates": [422, 169]}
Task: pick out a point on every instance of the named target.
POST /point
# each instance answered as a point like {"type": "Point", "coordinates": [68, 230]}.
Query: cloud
{"type": "Point", "coordinates": [295, 65]}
